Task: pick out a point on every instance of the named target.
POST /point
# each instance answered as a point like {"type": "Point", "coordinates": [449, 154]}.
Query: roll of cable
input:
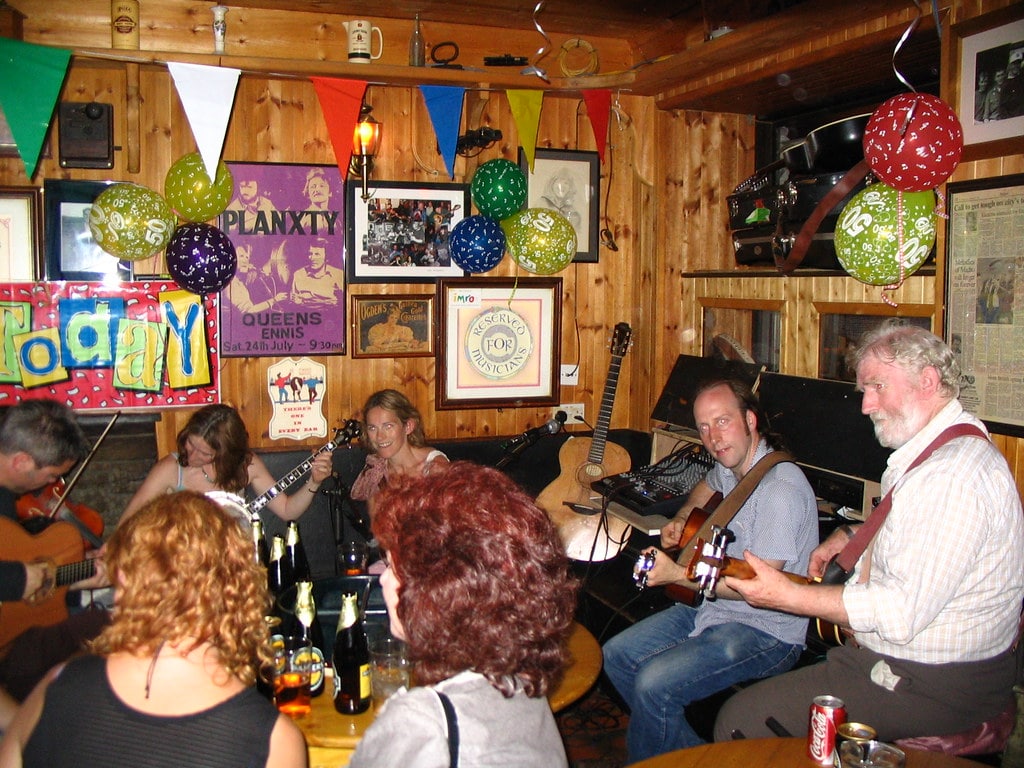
{"type": "Point", "coordinates": [577, 57]}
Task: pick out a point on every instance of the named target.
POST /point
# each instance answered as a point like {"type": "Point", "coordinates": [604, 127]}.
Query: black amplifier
{"type": "Point", "coordinates": [758, 245]}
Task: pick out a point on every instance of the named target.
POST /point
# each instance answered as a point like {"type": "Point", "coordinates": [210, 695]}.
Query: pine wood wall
{"type": "Point", "coordinates": [669, 174]}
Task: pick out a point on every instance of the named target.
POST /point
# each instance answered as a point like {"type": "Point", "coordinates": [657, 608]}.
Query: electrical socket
{"type": "Point", "coordinates": [574, 413]}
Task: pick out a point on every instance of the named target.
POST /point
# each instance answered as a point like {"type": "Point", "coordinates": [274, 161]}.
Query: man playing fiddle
{"type": "Point", "coordinates": [40, 440]}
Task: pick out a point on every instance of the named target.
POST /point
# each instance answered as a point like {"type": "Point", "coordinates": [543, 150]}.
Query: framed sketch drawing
{"type": "Point", "coordinates": [21, 233]}
{"type": "Point", "coordinates": [393, 326]}
{"type": "Point", "coordinates": [288, 296]}
{"type": "Point", "coordinates": [568, 181]}
{"type": "Point", "coordinates": [400, 234]}
{"type": "Point", "coordinates": [499, 342]}
{"type": "Point", "coordinates": [71, 253]}
{"type": "Point", "coordinates": [984, 275]}
{"type": "Point", "coordinates": [988, 56]}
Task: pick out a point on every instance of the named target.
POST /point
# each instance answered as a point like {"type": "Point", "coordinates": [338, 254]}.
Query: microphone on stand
{"type": "Point", "coordinates": [531, 436]}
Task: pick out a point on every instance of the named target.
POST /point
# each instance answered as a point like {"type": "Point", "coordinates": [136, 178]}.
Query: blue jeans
{"type": "Point", "coordinates": [658, 669]}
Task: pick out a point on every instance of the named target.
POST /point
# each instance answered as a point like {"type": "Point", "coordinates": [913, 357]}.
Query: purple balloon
{"type": "Point", "coordinates": [201, 258]}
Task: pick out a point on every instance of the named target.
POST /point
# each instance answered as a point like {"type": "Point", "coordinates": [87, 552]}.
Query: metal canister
{"type": "Point", "coordinates": [827, 714]}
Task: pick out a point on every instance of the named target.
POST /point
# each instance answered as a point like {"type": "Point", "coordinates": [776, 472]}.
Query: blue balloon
{"type": "Point", "coordinates": [477, 244]}
{"type": "Point", "coordinates": [201, 258]}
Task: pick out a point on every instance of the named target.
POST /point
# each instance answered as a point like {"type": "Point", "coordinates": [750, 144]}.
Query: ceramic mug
{"type": "Point", "coordinates": [360, 41]}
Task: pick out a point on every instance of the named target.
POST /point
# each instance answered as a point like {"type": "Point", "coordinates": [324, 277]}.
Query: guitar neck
{"type": "Point", "coordinates": [72, 572]}
{"type": "Point", "coordinates": [604, 416]}
{"type": "Point", "coordinates": [288, 480]}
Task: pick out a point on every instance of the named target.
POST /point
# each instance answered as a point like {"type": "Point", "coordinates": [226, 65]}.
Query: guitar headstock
{"type": "Point", "coordinates": [622, 335]}
{"type": "Point", "coordinates": [346, 434]}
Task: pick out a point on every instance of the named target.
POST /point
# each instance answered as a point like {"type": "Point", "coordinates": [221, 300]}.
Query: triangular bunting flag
{"type": "Point", "coordinates": [444, 103]}
{"type": "Point", "coordinates": [526, 112]}
{"type": "Point", "coordinates": [207, 94]}
{"type": "Point", "coordinates": [30, 81]}
{"type": "Point", "coordinates": [340, 101]}
{"type": "Point", "coordinates": [599, 105]}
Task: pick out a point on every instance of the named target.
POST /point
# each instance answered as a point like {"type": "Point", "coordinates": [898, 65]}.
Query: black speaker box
{"type": "Point", "coordinates": [86, 134]}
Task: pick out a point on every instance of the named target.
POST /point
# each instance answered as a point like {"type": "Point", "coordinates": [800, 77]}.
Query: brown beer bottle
{"type": "Point", "coordinates": [296, 553]}
{"type": "Point", "coordinates": [351, 660]}
{"type": "Point", "coordinates": [259, 542]}
{"type": "Point", "coordinates": [279, 574]}
{"type": "Point", "coordinates": [312, 632]}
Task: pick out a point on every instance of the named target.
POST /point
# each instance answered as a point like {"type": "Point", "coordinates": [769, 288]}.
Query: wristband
{"type": "Point", "coordinates": [312, 490]}
{"type": "Point", "coordinates": [847, 530]}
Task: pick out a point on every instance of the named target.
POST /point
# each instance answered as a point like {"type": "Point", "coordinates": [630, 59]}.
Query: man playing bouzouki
{"type": "Point", "coordinates": [684, 654]}
{"type": "Point", "coordinates": [40, 440]}
{"type": "Point", "coordinates": [935, 601]}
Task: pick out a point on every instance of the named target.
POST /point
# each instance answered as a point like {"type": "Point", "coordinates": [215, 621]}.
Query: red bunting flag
{"type": "Point", "coordinates": [340, 101]}
{"type": "Point", "coordinates": [599, 104]}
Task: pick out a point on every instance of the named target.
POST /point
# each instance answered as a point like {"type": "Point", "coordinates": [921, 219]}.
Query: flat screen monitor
{"type": "Point", "coordinates": [821, 424]}
{"type": "Point", "coordinates": [675, 406]}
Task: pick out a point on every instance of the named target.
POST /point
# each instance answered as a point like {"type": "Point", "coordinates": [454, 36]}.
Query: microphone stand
{"type": "Point", "coordinates": [512, 453]}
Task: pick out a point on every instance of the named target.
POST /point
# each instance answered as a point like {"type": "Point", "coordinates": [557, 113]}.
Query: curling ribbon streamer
{"type": "Point", "coordinates": [30, 81]}
{"type": "Point", "coordinates": [903, 39]}
{"type": "Point", "coordinates": [340, 101]}
{"type": "Point", "coordinates": [207, 94]}
{"type": "Point", "coordinates": [599, 106]}
{"type": "Point", "coordinates": [533, 69]}
{"type": "Point", "coordinates": [526, 106]}
{"type": "Point", "coordinates": [444, 103]}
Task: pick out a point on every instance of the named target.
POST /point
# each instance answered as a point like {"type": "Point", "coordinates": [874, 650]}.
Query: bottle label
{"type": "Point", "coordinates": [364, 681]}
{"type": "Point", "coordinates": [316, 671]}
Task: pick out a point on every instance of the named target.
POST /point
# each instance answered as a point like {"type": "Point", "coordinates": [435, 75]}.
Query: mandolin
{"type": "Point", "coordinates": [59, 542]}
{"type": "Point", "coordinates": [342, 436]}
{"type": "Point", "coordinates": [590, 536]}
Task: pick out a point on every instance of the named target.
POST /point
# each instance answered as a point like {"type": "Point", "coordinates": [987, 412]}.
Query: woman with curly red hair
{"type": "Point", "coordinates": [171, 683]}
{"type": "Point", "coordinates": [478, 586]}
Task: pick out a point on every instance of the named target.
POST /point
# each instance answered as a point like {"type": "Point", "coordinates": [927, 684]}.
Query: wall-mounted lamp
{"type": "Point", "coordinates": [365, 143]}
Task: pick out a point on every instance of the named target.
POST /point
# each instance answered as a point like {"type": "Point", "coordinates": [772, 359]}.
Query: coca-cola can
{"type": "Point", "coordinates": [827, 714]}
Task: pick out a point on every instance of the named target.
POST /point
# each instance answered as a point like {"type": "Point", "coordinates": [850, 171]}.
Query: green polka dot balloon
{"type": "Point", "coordinates": [131, 221]}
{"type": "Point", "coordinates": [868, 239]}
{"type": "Point", "coordinates": [190, 192]}
{"type": "Point", "coordinates": [540, 240]}
{"type": "Point", "coordinates": [498, 188]}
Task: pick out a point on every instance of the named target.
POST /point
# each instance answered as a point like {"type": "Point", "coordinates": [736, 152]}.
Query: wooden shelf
{"type": "Point", "coordinates": [384, 74]}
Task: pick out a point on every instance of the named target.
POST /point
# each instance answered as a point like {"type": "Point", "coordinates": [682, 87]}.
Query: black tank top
{"type": "Point", "coordinates": [85, 725]}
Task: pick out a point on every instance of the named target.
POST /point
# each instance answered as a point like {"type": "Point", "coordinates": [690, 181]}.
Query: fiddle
{"type": "Point", "coordinates": [49, 502]}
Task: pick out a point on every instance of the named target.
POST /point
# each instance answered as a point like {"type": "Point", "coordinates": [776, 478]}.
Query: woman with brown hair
{"type": "Point", "coordinates": [478, 586]}
{"type": "Point", "coordinates": [171, 683]}
{"type": "Point", "coordinates": [214, 455]}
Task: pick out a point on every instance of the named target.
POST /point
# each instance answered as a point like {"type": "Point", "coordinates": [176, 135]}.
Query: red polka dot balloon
{"type": "Point", "coordinates": [913, 142]}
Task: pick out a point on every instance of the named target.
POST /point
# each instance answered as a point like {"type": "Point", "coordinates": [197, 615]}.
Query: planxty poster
{"type": "Point", "coordinates": [287, 297]}
{"type": "Point", "coordinates": [94, 346]}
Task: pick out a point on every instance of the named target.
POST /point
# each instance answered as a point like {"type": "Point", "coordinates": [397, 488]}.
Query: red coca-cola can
{"type": "Point", "coordinates": [827, 714]}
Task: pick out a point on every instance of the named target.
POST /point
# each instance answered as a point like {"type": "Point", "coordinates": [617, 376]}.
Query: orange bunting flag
{"type": "Point", "coordinates": [599, 106]}
{"type": "Point", "coordinates": [526, 106]}
{"type": "Point", "coordinates": [340, 101]}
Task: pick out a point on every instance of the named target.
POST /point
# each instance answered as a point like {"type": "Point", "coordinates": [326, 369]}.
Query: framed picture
{"type": "Point", "coordinates": [400, 234]}
{"type": "Point", "coordinates": [288, 295]}
{"type": "Point", "coordinates": [393, 326]}
{"type": "Point", "coordinates": [21, 233]}
{"type": "Point", "coordinates": [499, 342]}
{"type": "Point", "coordinates": [71, 253]}
{"type": "Point", "coordinates": [568, 181]}
{"type": "Point", "coordinates": [988, 55]}
{"type": "Point", "coordinates": [983, 283]}
{"type": "Point", "coordinates": [8, 147]}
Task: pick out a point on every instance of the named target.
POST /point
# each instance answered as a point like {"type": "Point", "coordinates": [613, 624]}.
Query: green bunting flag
{"type": "Point", "coordinates": [30, 82]}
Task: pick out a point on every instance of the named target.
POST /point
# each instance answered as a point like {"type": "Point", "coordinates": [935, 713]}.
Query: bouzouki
{"type": "Point", "coordinates": [710, 562]}
{"type": "Point", "coordinates": [342, 436]}
{"type": "Point", "coordinates": [588, 535]}
{"type": "Point", "coordinates": [61, 543]}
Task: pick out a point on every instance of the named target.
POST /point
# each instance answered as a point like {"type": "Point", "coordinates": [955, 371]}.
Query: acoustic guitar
{"type": "Point", "coordinates": [60, 543]}
{"type": "Point", "coordinates": [709, 563]}
{"type": "Point", "coordinates": [569, 499]}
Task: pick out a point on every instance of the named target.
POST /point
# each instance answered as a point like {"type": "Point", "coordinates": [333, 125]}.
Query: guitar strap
{"type": "Point", "coordinates": [855, 547]}
{"type": "Point", "coordinates": [730, 505]}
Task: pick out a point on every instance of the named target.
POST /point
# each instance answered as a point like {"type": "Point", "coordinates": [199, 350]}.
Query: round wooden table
{"type": "Point", "coordinates": [333, 737]}
{"type": "Point", "coordinates": [775, 753]}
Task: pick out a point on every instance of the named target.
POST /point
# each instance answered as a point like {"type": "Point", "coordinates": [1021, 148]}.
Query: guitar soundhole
{"type": "Point", "coordinates": [594, 471]}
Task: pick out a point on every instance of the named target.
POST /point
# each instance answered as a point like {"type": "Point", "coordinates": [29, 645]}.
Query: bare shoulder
{"type": "Point", "coordinates": [287, 745]}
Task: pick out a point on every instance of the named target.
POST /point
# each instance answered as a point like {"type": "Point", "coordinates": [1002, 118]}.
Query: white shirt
{"type": "Point", "coordinates": [947, 566]}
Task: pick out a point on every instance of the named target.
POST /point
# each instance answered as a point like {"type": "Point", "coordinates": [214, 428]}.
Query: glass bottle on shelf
{"type": "Point", "coordinates": [351, 660]}
{"type": "Point", "coordinates": [417, 46]}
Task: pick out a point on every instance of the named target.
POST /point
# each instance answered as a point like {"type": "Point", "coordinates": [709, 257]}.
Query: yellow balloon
{"type": "Point", "coordinates": [131, 222]}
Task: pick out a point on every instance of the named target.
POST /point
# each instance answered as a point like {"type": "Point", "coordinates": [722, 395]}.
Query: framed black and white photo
{"type": "Point", "coordinates": [988, 54]}
{"type": "Point", "coordinates": [71, 253]}
{"type": "Point", "coordinates": [401, 233]}
{"type": "Point", "coordinates": [568, 181]}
